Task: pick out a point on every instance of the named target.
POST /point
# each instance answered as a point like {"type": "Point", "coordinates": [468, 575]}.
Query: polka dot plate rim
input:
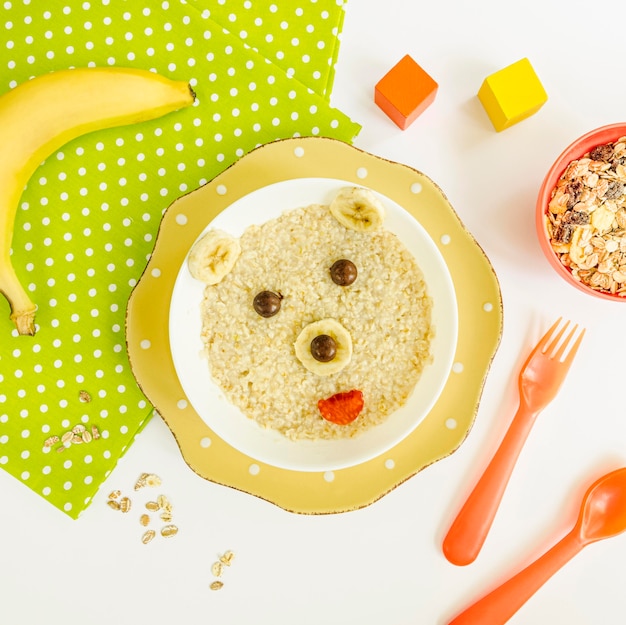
{"type": "Point", "coordinates": [447, 424]}
{"type": "Point", "coordinates": [264, 444]}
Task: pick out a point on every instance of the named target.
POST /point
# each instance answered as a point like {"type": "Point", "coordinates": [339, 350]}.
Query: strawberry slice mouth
{"type": "Point", "coordinates": [341, 408]}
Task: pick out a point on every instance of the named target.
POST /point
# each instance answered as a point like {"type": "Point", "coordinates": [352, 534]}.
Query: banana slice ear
{"type": "Point", "coordinates": [358, 209]}
{"type": "Point", "coordinates": [212, 256]}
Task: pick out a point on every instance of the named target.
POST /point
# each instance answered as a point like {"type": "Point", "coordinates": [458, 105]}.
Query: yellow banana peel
{"type": "Point", "coordinates": [41, 115]}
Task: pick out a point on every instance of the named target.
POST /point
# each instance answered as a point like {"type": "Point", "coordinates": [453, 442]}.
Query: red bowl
{"type": "Point", "coordinates": [582, 145]}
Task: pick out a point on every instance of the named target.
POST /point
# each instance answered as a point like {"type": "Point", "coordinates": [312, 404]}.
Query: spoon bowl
{"type": "Point", "coordinates": [603, 512]}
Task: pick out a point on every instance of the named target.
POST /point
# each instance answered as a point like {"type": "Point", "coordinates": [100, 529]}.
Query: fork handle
{"type": "Point", "coordinates": [471, 526]}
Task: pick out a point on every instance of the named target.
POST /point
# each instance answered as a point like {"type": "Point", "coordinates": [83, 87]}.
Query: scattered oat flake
{"type": "Point", "coordinates": [216, 585]}
{"type": "Point", "coordinates": [152, 480]}
{"type": "Point", "coordinates": [86, 436]}
{"type": "Point", "coordinates": [78, 429]}
{"type": "Point", "coordinates": [217, 569]}
{"type": "Point", "coordinates": [67, 437]}
{"type": "Point", "coordinates": [51, 441]}
{"type": "Point", "coordinates": [95, 433]}
{"type": "Point", "coordinates": [164, 503]}
{"type": "Point", "coordinates": [141, 481]}
{"type": "Point", "coordinates": [148, 536]}
{"type": "Point", "coordinates": [84, 396]}
{"type": "Point", "coordinates": [123, 503]}
{"type": "Point", "coordinates": [227, 558]}
{"type": "Point", "coordinates": [169, 530]}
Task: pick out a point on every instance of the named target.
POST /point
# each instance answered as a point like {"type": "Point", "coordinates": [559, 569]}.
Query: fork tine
{"type": "Point", "coordinates": [543, 343]}
{"type": "Point", "coordinates": [559, 353]}
{"type": "Point", "coordinates": [572, 352]}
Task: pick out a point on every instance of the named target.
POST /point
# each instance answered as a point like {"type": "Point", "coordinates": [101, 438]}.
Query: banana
{"type": "Point", "coordinates": [602, 219]}
{"type": "Point", "coordinates": [341, 338]}
{"type": "Point", "coordinates": [41, 115]}
{"type": "Point", "coordinates": [212, 256]}
{"type": "Point", "coordinates": [576, 251]}
{"type": "Point", "coordinates": [357, 209]}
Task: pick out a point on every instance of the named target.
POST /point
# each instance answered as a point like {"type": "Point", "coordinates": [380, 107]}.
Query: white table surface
{"type": "Point", "coordinates": [383, 564]}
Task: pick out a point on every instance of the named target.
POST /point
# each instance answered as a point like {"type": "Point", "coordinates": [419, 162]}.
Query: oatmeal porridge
{"type": "Point", "coordinates": [319, 328]}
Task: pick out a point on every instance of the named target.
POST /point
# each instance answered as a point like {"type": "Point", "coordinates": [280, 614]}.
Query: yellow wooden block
{"type": "Point", "coordinates": [512, 94]}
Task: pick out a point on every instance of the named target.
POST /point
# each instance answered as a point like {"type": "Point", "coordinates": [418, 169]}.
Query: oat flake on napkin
{"type": "Point", "coordinates": [89, 216]}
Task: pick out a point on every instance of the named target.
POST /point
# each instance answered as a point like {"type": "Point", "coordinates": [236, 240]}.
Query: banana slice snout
{"type": "Point", "coordinates": [212, 256]}
{"type": "Point", "coordinates": [358, 209]}
{"type": "Point", "coordinates": [324, 347]}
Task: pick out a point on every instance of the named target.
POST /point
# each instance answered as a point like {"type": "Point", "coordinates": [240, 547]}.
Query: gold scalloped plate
{"type": "Point", "coordinates": [448, 422]}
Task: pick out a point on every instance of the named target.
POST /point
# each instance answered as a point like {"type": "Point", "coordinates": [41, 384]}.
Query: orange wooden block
{"type": "Point", "coordinates": [405, 91]}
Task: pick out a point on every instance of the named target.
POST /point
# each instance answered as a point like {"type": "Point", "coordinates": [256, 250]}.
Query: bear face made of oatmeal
{"type": "Point", "coordinates": [317, 323]}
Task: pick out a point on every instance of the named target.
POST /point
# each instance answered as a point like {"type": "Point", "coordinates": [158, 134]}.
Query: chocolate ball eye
{"type": "Point", "coordinates": [343, 272]}
{"type": "Point", "coordinates": [323, 348]}
{"type": "Point", "coordinates": [267, 303]}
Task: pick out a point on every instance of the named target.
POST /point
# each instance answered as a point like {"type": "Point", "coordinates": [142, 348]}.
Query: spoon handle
{"type": "Point", "coordinates": [501, 604]}
{"type": "Point", "coordinates": [469, 529]}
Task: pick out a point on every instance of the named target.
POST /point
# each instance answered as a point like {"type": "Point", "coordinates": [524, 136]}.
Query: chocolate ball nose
{"type": "Point", "coordinates": [323, 348]}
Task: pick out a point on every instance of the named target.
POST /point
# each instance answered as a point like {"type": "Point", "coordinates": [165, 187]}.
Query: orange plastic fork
{"type": "Point", "coordinates": [539, 381]}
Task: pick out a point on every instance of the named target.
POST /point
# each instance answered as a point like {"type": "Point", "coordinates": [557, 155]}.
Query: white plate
{"type": "Point", "coordinates": [265, 445]}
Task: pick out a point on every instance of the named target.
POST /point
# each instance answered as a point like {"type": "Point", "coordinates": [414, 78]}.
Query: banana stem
{"type": "Point", "coordinates": [22, 308]}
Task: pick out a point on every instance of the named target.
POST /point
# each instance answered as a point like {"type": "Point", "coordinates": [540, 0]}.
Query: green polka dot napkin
{"type": "Point", "coordinates": [89, 216]}
{"type": "Point", "coordinates": [301, 37]}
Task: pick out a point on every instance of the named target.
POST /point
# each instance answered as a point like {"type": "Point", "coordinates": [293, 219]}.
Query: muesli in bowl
{"type": "Point", "coordinates": [581, 213]}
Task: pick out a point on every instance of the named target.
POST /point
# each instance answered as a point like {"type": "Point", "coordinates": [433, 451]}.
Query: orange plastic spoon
{"type": "Point", "coordinates": [602, 515]}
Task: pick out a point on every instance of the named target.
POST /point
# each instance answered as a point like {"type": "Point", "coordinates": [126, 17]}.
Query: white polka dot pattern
{"type": "Point", "coordinates": [300, 37]}
{"type": "Point", "coordinates": [88, 219]}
